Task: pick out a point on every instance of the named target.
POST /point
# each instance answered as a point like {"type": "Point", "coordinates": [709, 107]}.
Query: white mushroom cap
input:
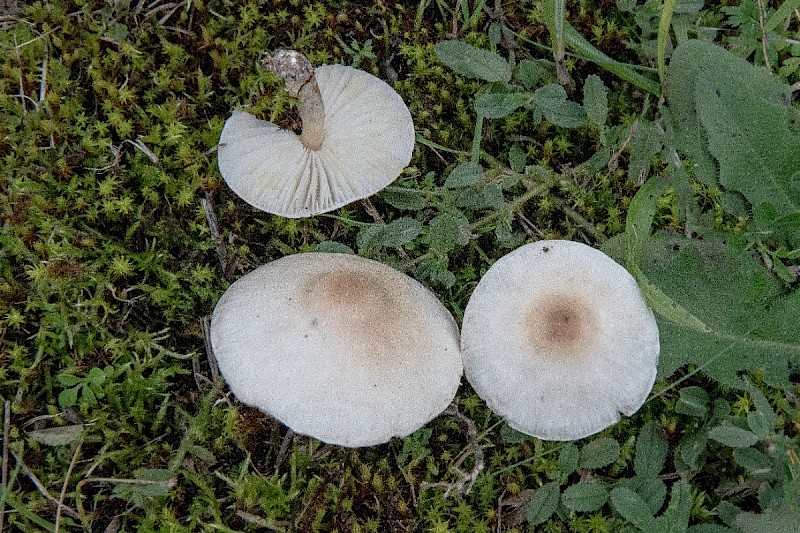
{"type": "Point", "coordinates": [368, 140]}
{"type": "Point", "coordinates": [558, 340]}
{"type": "Point", "coordinates": [338, 347]}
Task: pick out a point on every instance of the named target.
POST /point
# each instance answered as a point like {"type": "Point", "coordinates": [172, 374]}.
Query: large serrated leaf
{"type": "Point", "coordinates": [473, 62]}
{"type": "Point", "coordinates": [637, 233]}
{"type": "Point", "coordinates": [396, 233]}
{"type": "Point", "coordinates": [448, 231]}
{"type": "Point", "coordinates": [749, 326]}
{"type": "Point", "coordinates": [742, 116]}
{"type": "Point", "coordinates": [680, 507]}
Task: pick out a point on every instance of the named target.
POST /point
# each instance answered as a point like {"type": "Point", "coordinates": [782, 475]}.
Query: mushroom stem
{"type": "Point", "coordinates": [296, 70]}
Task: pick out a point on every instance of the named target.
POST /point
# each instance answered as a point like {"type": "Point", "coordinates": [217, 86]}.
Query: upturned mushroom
{"type": "Point", "coordinates": [357, 136]}
{"type": "Point", "coordinates": [557, 339]}
{"type": "Point", "coordinates": [338, 347]}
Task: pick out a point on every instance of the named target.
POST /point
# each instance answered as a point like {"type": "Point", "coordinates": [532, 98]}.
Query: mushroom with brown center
{"type": "Point", "coordinates": [357, 136]}
{"type": "Point", "coordinates": [338, 347]}
{"type": "Point", "coordinates": [557, 339]}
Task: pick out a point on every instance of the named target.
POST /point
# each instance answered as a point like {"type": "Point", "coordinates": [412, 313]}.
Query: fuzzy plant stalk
{"type": "Point", "coordinates": [297, 72]}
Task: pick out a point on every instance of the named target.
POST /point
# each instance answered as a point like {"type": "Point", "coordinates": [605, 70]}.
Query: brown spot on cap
{"type": "Point", "coordinates": [359, 305]}
{"type": "Point", "coordinates": [561, 327]}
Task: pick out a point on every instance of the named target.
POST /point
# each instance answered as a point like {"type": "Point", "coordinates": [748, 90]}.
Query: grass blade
{"type": "Point", "coordinates": [585, 50]}
{"type": "Point", "coordinates": [555, 15]}
{"type": "Point", "coordinates": [664, 24]}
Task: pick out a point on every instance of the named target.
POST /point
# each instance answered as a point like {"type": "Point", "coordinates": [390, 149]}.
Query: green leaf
{"type": "Point", "coordinates": [595, 100]}
{"type": "Point", "coordinates": [543, 503]}
{"type": "Point", "coordinates": [599, 453]}
{"type": "Point", "coordinates": [568, 459]}
{"type": "Point", "coordinates": [333, 247]}
{"type": "Point", "coordinates": [447, 231]}
{"type": "Point", "coordinates": [510, 435]}
{"type": "Point", "coordinates": [415, 447]}
{"type": "Point", "coordinates": [584, 497]}
{"type": "Point", "coordinates": [57, 436]}
{"type": "Point", "coordinates": [499, 104]}
{"type": "Point", "coordinates": [396, 233]}
{"type": "Point", "coordinates": [651, 450]}
{"type": "Point", "coordinates": [516, 158]}
{"type": "Point", "coordinates": [646, 143]}
{"type": "Point", "coordinates": [733, 436]}
{"type": "Point", "coordinates": [745, 115]}
{"type": "Point", "coordinates": [730, 293]}
{"type": "Point", "coordinates": [684, 123]}
{"type": "Point", "coordinates": [68, 397]}
{"type": "Point", "coordinates": [632, 508]}
{"type": "Point", "coordinates": [691, 447]}
{"type": "Point", "coordinates": [664, 22]}
{"type": "Point", "coordinates": [758, 424]}
{"type": "Point", "coordinates": [69, 380]}
{"type": "Point", "coordinates": [95, 376]}
{"type": "Point", "coordinates": [473, 62]}
{"type": "Point", "coordinates": [652, 490]}
{"type": "Point", "coordinates": [637, 232]}
{"type": "Point", "coordinates": [680, 507]}
{"type": "Point", "coordinates": [781, 520]}
{"type": "Point", "coordinates": [464, 175]}
{"type": "Point", "coordinates": [152, 483]}
{"type": "Point", "coordinates": [692, 401]}
{"type": "Point", "coordinates": [752, 460]}
{"type": "Point", "coordinates": [551, 100]}
{"type": "Point", "coordinates": [406, 199]}
{"type": "Point", "coordinates": [204, 454]}
{"type": "Point", "coordinates": [709, 528]}
{"type": "Point", "coordinates": [531, 72]}
{"type": "Point", "coordinates": [763, 408]}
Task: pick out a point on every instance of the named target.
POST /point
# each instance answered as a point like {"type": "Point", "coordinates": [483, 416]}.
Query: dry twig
{"type": "Point", "coordinates": [65, 485]}
{"type": "Point", "coordinates": [42, 490]}
{"type": "Point", "coordinates": [213, 229]}
{"type": "Point", "coordinates": [466, 479]}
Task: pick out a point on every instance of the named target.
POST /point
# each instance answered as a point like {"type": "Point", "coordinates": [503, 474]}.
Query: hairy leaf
{"type": "Point", "coordinates": [499, 104]}
{"type": "Point", "coordinates": [651, 450]}
{"type": "Point", "coordinates": [584, 497]}
{"type": "Point", "coordinates": [543, 503]}
{"type": "Point", "coordinates": [599, 453]}
{"type": "Point", "coordinates": [747, 119]}
{"type": "Point", "coordinates": [552, 101]}
{"type": "Point", "coordinates": [750, 325]}
{"type": "Point", "coordinates": [473, 62]}
{"type": "Point", "coordinates": [733, 436]}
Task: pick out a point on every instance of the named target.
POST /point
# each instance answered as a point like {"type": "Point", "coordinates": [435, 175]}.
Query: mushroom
{"type": "Point", "coordinates": [557, 339]}
{"type": "Point", "coordinates": [357, 136]}
{"type": "Point", "coordinates": [338, 347]}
